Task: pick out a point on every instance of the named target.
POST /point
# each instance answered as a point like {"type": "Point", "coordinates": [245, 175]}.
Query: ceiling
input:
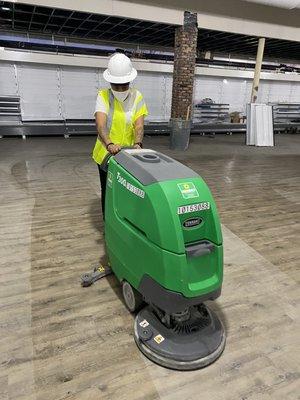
{"type": "Point", "coordinates": [289, 4]}
{"type": "Point", "coordinates": [43, 20]}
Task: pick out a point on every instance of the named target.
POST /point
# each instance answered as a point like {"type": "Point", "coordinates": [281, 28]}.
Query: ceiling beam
{"type": "Point", "coordinates": [252, 19]}
{"type": "Point", "coordinates": [115, 8]}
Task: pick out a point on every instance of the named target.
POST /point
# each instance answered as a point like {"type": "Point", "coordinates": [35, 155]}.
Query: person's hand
{"type": "Point", "coordinates": [137, 146]}
{"type": "Point", "coordinates": [114, 148]}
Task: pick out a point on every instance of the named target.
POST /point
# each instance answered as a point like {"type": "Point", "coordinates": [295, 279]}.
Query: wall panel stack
{"type": "Point", "coordinates": [259, 125]}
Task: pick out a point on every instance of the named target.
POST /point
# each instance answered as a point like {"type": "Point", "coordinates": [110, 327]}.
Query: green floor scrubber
{"type": "Point", "coordinates": [164, 243]}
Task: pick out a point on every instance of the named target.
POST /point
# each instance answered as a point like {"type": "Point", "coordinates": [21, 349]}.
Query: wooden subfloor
{"type": "Point", "coordinates": [60, 341]}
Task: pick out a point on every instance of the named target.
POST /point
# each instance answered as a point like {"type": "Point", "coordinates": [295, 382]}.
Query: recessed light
{"type": "Point", "coordinates": [5, 8]}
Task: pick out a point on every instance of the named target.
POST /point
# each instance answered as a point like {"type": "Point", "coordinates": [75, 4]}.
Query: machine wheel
{"type": "Point", "coordinates": [132, 298]}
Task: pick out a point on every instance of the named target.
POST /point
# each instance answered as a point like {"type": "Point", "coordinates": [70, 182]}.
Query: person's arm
{"type": "Point", "coordinates": [139, 131]}
{"type": "Point", "coordinates": [103, 134]}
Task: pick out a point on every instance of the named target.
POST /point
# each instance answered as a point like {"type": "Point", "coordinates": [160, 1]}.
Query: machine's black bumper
{"type": "Point", "coordinates": [170, 301]}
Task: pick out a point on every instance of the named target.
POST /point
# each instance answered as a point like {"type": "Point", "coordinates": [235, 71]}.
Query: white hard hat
{"type": "Point", "coordinates": [120, 69]}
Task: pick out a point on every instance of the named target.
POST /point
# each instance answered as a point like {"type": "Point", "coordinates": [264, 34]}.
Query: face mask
{"type": "Point", "coordinates": [121, 96]}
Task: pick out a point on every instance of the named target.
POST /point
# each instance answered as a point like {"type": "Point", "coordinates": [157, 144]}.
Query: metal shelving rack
{"type": "Point", "coordinates": [10, 115]}
{"type": "Point", "coordinates": [286, 116]}
{"type": "Point", "coordinates": [9, 107]}
{"type": "Point", "coordinates": [211, 119]}
{"type": "Point", "coordinates": [211, 113]}
{"type": "Point", "coordinates": [10, 112]}
{"type": "Point", "coordinates": [286, 112]}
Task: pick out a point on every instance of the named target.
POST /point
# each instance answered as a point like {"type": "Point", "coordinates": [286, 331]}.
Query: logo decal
{"type": "Point", "coordinates": [191, 222]}
{"type": "Point", "coordinates": [188, 190]}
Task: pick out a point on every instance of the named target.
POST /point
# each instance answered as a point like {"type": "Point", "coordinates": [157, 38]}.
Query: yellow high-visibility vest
{"type": "Point", "coordinates": [120, 122]}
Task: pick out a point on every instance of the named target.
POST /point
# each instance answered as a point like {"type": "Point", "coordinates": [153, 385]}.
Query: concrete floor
{"type": "Point", "coordinates": [60, 341]}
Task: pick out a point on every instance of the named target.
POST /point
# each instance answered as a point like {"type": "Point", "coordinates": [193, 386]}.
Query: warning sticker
{"type": "Point", "coordinates": [101, 268]}
{"type": "Point", "coordinates": [144, 323]}
{"type": "Point", "coordinates": [109, 179]}
{"type": "Point", "coordinates": [159, 339]}
{"type": "Point", "coordinates": [188, 190]}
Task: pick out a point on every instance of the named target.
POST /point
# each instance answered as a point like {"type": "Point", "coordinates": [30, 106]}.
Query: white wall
{"type": "Point", "coordinates": [64, 92]}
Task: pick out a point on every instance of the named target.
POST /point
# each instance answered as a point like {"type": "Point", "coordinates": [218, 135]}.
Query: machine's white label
{"type": "Point", "coordinates": [193, 207]}
{"type": "Point", "coordinates": [129, 186]}
{"type": "Point", "coordinates": [144, 323]}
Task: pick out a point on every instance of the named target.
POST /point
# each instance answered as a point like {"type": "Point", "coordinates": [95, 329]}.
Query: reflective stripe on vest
{"type": "Point", "coordinates": [111, 108]}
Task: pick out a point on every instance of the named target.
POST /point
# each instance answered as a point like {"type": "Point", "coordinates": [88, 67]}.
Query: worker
{"type": "Point", "coordinates": [119, 114]}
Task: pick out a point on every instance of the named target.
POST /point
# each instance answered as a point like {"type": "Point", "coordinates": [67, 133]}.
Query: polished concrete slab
{"type": "Point", "coordinates": [60, 341]}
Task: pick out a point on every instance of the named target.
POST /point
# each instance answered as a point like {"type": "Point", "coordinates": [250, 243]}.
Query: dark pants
{"type": "Point", "coordinates": [103, 177]}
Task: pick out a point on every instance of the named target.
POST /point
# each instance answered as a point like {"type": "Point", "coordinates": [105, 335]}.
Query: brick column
{"type": "Point", "coordinates": [184, 66]}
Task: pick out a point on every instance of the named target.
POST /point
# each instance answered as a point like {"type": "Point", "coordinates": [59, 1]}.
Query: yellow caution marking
{"type": "Point", "coordinates": [159, 339]}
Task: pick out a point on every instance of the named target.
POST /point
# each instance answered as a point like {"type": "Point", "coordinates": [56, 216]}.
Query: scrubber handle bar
{"type": "Point", "coordinates": [104, 164]}
{"type": "Point", "coordinates": [202, 248]}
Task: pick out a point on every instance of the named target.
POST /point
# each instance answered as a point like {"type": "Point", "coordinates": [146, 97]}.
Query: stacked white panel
{"type": "Point", "coordinates": [259, 125]}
